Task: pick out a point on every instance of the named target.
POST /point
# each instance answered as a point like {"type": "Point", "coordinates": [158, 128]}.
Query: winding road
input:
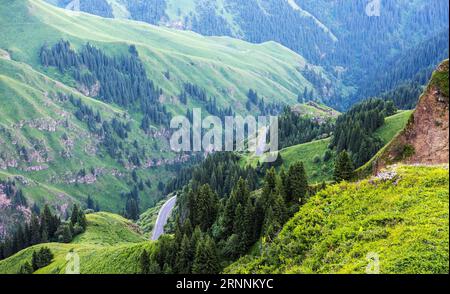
{"type": "Point", "coordinates": [163, 217]}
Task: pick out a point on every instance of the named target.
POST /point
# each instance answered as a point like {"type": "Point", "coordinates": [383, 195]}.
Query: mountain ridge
{"type": "Point", "coordinates": [180, 53]}
{"type": "Point", "coordinates": [425, 139]}
{"type": "Point", "coordinates": [356, 39]}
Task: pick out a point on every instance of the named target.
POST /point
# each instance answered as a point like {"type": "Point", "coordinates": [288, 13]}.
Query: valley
{"type": "Point", "coordinates": [88, 169]}
{"type": "Point", "coordinates": [41, 127]}
{"type": "Point", "coordinates": [337, 35]}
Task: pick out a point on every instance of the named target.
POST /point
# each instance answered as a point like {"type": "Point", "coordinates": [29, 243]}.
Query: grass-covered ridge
{"type": "Point", "coordinates": [440, 78]}
{"type": "Point", "coordinates": [312, 153]}
{"type": "Point", "coordinates": [402, 216]}
{"type": "Point", "coordinates": [110, 245]}
{"type": "Point", "coordinates": [393, 125]}
{"type": "Point", "coordinates": [35, 118]}
{"type": "Point", "coordinates": [218, 64]}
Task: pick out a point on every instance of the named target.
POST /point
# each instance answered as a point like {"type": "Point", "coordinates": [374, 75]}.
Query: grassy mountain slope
{"type": "Point", "coordinates": [218, 64]}
{"type": "Point", "coordinates": [312, 153]}
{"type": "Point", "coordinates": [339, 34]}
{"type": "Point", "coordinates": [424, 140]}
{"type": "Point", "coordinates": [34, 117]}
{"type": "Point", "coordinates": [55, 158]}
{"type": "Point", "coordinates": [393, 125]}
{"type": "Point", "coordinates": [403, 218]}
{"type": "Point", "coordinates": [110, 245]}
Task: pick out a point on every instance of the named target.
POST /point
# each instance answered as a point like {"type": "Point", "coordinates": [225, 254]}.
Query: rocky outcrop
{"type": "Point", "coordinates": [5, 54]}
{"type": "Point", "coordinates": [425, 139]}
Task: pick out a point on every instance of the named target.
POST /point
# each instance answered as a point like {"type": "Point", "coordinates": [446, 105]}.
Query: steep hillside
{"type": "Point", "coordinates": [171, 58]}
{"type": "Point", "coordinates": [366, 47]}
{"type": "Point", "coordinates": [60, 146]}
{"type": "Point", "coordinates": [426, 137]}
{"type": "Point", "coordinates": [110, 245]}
{"type": "Point", "coordinates": [395, 221]}
{"type": "Point", "coordinates": [393, 125]}
{"type": "Point", "coordinates": [400, 218]}
{"type": "Point", "coordinates": [58, 159]}
{"type": "Point", "coordinates": [319, 167]}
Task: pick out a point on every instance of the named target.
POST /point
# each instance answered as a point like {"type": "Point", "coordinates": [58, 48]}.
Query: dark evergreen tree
{"type": "Point", "coordinates": [35, 237]}
{"type": "Point", "coordinates": [184, 257]}
{"type": "Point", "coordinates": [144, 262]}
{"type": "Point", "coordinates": [82, 222]}
{"type": "Point", "coordinates": [75, 214]}
{"type": "Point", "coordinates": [41, 258]}
{"type": "Point", "coordinates": [206, 259]}
{"type": "Point", "coordinates": [297, 183]}
{"type": "Point", "coordinates": [66, 234]}
{"type": "Point", "coordinates": [26, 269]}
{"type": "Point", "coordinates": [343, 168]}
{"type": "Point", "coordinates": [90, 203]}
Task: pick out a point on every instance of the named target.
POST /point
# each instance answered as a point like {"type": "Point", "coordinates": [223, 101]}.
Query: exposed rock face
{"type": "Point", "coordinates": [5, 54]}
{"type": "Point", "coordinates": [425, 140]}
{"type": "Point", "coordinates": [89, 91]}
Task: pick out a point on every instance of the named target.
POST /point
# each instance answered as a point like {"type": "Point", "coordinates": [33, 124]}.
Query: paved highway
{"type": "Point", "coordinates": [163, 216]}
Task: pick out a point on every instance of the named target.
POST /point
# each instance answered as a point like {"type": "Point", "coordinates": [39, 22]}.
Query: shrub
{"type": "Point", "coordinates": [328, 155]}
{"type": "Point", "coordinates": [316, 159]}
{"type": "Point", "coordinates": [26, 269]}
{"type": "Point", "coordinates": [41, 258]}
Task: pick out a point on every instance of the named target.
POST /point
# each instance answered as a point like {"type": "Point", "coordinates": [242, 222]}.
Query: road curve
{"type": "Point", "coordinates": [163, 216]}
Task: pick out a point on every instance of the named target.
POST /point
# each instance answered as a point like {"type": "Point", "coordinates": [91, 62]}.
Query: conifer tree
{"type": "Point", "coordinates": [74, 217]}
{"type": "Point", "coordinates": [206, 259]}
{"type": "Point", "coordinates": [184, 256]}
{"type": "Point", "coordinates": [35, 237]}
{"type": "Point", "coordinates": [297, 183]}
{"type": "Point", "coordinates": [275, 217]}
{"type": "Point", "coordinates": [44, 233]}
{"type": "Point", "coordinates": [67, 234]}
{"type": "Point", "coordinates": [90, 203]}
{"type": "Point", "coordinates": [82, 222]}
{"type": "Point", "coordinates": [239, 227]}
{"type": "Point", "coordinates": [21, 240]}
{"type": "Point", "coordinates": [144, 262]}
{"type": "Point", "coordinates": [41, 258]}
{"type": "Point", "coordinates": [49, 223]}
{"type": "Point", "coordinates": [270, 183]}
{"type": "Point", "coordinates": [26, 269]}
{"type": "Point", "coordinates": [154, 267]}
{"type": "Point", "coordinates": [343, 168]}
{"type": "Point", "coordinates": [249, 232]}
{"type": "Point", "coordinates": [204, 207]}
{"type": "Point", "coordinates": [195, 239]}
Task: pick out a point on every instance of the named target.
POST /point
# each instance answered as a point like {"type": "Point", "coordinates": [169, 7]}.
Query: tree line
{"type": "Point", "coordinates": [44, 228]}
{"type": "Point", "coordinates": [264, 108]}
{"type": "Point", "coordinates": [215, 229]}
{"type": "Point", "coordinates": [122, 80]}
{"type": "Point", "coordinates": [294, 129]}
{"type": "Point", "coordinates": [14, 194]}
{"type": "Point", "coordinates": [354, 130]}
{"type": "Point", "coordinates": [39, 259]}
